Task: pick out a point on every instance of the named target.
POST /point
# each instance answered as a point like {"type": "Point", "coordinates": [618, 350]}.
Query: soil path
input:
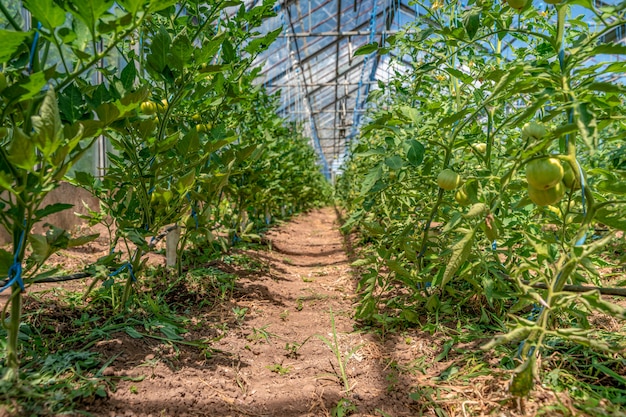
{"type": "Point", "coordinates": [270, 360]}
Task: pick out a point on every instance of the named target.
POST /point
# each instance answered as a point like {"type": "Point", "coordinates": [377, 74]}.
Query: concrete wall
{"type": "Point", "coordinates": [67, 219]}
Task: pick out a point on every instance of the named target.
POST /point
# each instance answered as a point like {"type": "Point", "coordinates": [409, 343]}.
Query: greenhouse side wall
{"type": "Point", "coordinates": [67, 219]}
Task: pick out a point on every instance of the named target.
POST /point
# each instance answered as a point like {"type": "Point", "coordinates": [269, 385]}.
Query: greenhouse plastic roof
{"type": "Point", "coordinates": [322, 84]}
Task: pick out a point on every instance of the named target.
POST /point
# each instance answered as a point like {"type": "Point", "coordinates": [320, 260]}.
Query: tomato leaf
{"type": "Point", "coordinates": [394, 162]}
{"type": "Point", "coordinates": [21, 151]}
{"type": "Point", "coordinates": [614, 216]}
{"type": "Point", "coordinates": [366, 49]}
{"type": "Point", "coordinates": [82, 240]}
{"type": "Point", "coordinates": [587, 125]}
{"type": "Point", "coordinates": [159, 50]}
{"type": "Point", "coordinates": [128, 75]}
{"type": "Point", "coordinates": [51, 209]}
{"type": "Point", "coordinates": [471, 22]}
{"type": "Point", "coordinates": [414, 152]}
{"type": "Point", "coordinates": [370, 179]}
{"type": "Point", "coordinates": [71, 104]}
{"type": "Point", "coordinates": [460, 253]}
{"type": "Point", "coordinates": [181, 50]}
{"type": "Point", "coordinates": [11, 41]}
{"type": "Point", "coordinates": [47, 12]}
{"type": "Point", "coordinates": [523, 380]}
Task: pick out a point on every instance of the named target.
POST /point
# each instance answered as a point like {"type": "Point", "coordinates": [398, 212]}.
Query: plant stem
{"type": "Point", "coordinates": [12, 21]}
{"type": "Point", "coordinates": [13, 362]}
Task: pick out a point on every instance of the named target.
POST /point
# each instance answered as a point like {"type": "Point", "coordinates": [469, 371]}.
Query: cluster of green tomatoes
{"type": "Point", "coordinates": [547, 177]}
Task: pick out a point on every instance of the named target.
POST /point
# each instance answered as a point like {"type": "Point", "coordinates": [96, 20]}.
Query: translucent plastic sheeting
{"type": "Point", "coordinates": [321, 83]}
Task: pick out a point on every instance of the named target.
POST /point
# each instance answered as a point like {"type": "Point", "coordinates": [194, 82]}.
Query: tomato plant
{"type": "Point", "coordinates": [161, 170]}
{"type": "Point", "coordinates": [51, 114]}
{"type": "Point", "coordinates": [544, 105]}
{"type": "Point", "coordinates": [173, 115]}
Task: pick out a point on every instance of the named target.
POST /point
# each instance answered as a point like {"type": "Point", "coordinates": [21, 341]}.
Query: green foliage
{"type": "Point", "coordinates": [42, 137]}
{"type": "Point", "coordinates": [192, 141]}
{"type": "Point", "coordinates": [463, 106]}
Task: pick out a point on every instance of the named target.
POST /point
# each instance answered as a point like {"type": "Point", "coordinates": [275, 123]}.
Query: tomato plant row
{"type": "Point", "coordinates": [192, 141]}
{"type": "Point", "coordinates": [485, 169]}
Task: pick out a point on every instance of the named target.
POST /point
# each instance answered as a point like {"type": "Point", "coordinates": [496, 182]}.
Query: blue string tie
{"type": "Point", "coordinates": [32, 48]}
{"type": "Point", "coordinates": [14, 273]}
{"type": "Point", "coordinates": [128, 266]}
{"type": "Point", "coordinates": [15, 276]}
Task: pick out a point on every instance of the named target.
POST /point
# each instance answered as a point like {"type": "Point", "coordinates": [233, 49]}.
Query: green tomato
{"type": "Point", "coordinates": [148, 107]}
{"type": "Point", "coordinates": [546, 197]}
{"type": "Point", "coordinates": [534, 130]}
{"type": "Point", "coordinates": [480, 147]}
{"type": "Point", "coordinates": [569, 178]}
{"type": "Point", "coordinates": [461, 197]}
{"type": "Point", "coordinates": [544, 173]}
{"type": "Point", "coordinates": [448, 179]}
{"type": "Point", "coordinates": [517, 4]}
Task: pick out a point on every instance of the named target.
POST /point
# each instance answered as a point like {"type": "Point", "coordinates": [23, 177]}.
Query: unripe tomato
{"type": "Point", "coordinates": [548, 196]}
{"type": "Point", "coordinates": [544, 173]}
{"type": "Point", "coordinates": [448, 179]}
{"type": "Point", "coordinates": [534, 130]}
{"type": "Point", "coordinates": [461, 197]}
{"type": "Point", "coordinates": [480, 147]}
{"type": "Point", "coordinates": [200, 128]}
{"type": "Point", "coordinates": [163, 105]}
{"type": "Point", "coordinates": [196, 117]}
{"type": "Point", "coordinates": [148, 107]}
{"type": "Point", "coordinates": [569, 178]}
{"type": "Point", "coordinates": [517, 4]}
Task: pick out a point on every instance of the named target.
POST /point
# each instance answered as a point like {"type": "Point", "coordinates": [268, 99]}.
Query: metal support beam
{"type": "Point", "coordinates": [331, 84]}
{"type": "Point", "coordinates": [304, 83]}
{"type": "Point", "coordinates": [314, 54]}
{"type": "Point", "coordinates": [336, 115]}
{"type": "Point", "coordinates": [337, 34]}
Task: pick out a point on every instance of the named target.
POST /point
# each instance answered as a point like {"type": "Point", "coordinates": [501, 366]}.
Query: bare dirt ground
{"type": "Point", "coordinates": [267, 355]}
{"type": "Point", "coordinates": [271, 362]}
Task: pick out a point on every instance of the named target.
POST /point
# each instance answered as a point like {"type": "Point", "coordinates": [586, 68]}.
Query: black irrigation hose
{"type": "Point", "coordinates": [61, 278]}
{"type": "Point", "coordinates": [82, 275]}
{"type": "Point", "coordinates": [618, 292]}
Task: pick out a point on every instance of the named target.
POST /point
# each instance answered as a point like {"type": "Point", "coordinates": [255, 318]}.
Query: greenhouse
{"type": "Point", "coordinates": [312, 208]}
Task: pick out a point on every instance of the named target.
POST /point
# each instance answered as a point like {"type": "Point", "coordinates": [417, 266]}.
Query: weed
{"type": "Point", "coordinates": [279, 369]}
{"type": "Point", "coordinates": [292, 348]}
{"type": "Point", "coordinates": [240, 313]}
{"type": "Point", "coordinates": [344, 407]}
{"type": "Point", "coordinates": [342, 361]}
{"type": "Point", "coordinates": [284, 315]}
{"type": "Point", "coordinates": [260, 334]}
